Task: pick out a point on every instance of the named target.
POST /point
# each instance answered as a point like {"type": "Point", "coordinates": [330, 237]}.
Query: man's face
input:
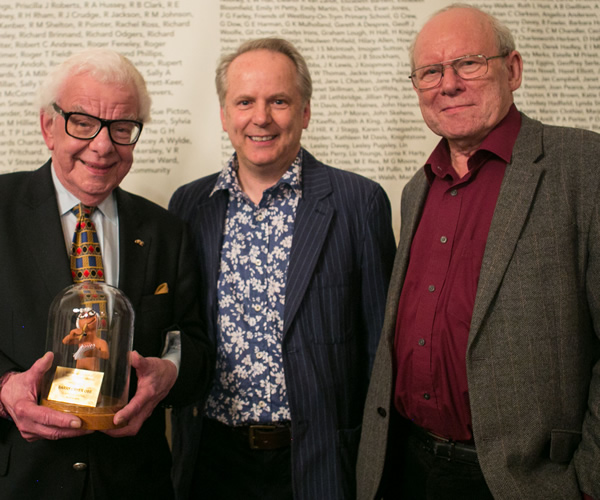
{"type": "Point", "coordinates": [263, 112]}
{"type": "Point", "coordinates": [90, 169]}
{"type": "Point", "coordinates": [465, 111]}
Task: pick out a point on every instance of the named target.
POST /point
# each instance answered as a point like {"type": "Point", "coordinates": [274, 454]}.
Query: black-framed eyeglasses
{"type": "Point", "coordinates": [85, 127]}
{"type": "Point", "coordinates": [467, 67]}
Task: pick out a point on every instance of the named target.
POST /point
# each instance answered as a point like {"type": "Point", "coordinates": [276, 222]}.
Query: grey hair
{"type": "Point", "coordinates": [504, 39]}
{"type": "Point", "coordinates": [104, 66]}
{"type": "Point", "coordinates": [274, 45]}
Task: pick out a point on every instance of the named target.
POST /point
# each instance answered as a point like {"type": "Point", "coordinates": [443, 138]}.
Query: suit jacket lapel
{"type": "Point", "coordinates": [41, 233]}
{"type": "Point", "coordinates": [210, 223]}
{"type": "Point", "coordinates": [135, 242]}
{"type": "Point", "coordinates": [512, 209]}
{"type": "Point", "coordinates": [208, 226]}
{"type": "Point", "coordinates": [311, 226]}
{"type": "Point", "coordinates": [414, 196]}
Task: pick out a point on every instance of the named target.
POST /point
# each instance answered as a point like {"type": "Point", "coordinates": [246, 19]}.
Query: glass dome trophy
{"type": "Point", "coordinates": [90, 332]}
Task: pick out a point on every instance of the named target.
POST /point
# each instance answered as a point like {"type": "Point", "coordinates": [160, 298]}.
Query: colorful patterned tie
{"type": "Point", "coordinates": [86, 259]}
{"type": "Point", "coordinates": [86, 263]}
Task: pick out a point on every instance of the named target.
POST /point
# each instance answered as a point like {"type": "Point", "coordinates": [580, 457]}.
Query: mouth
{"type": "Point", "coordinates": [261, 138]}
{"type": "Point", "coordinates": [455, 107]}
{"type": "Point", "coordinates": [99, 167]}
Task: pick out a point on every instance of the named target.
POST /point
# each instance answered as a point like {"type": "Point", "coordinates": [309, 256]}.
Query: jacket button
{"type": "Point", "coordinates": [382, 412]}
{"type": "Point", "coordinates": [79, 466]}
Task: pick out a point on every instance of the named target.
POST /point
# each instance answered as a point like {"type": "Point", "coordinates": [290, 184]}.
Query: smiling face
{"type": "Point", "coordinates": [90, 169]}
{"type": "Point", "coordinates": [263, 113]}
{"type": "Point", "coordinates": [465, 111]}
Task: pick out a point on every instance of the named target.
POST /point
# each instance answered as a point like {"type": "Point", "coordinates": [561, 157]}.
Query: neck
{"type": "Point", "coordinates": [255, 183]}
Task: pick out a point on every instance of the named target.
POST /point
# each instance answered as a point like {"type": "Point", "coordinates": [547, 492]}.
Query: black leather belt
{"type": "Point", "coordinates": [445, 448]}
{"type": "Point", "coordinates": [258, 436]}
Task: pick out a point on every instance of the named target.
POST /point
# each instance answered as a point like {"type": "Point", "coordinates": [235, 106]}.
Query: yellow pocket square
{"type": "Point", "coordinates": [162, 288]}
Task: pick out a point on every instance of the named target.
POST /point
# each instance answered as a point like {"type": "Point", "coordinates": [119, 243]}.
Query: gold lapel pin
{"type": "Point", "coordinates": [139, 242]}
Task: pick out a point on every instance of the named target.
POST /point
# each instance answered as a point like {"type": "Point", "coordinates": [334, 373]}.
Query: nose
{"type": "Point", "coordinates": [451, 82]}
{"type": "Point", "coordinates": [262, 115]}
{"type": "Point", "coordinates": [102, 143]}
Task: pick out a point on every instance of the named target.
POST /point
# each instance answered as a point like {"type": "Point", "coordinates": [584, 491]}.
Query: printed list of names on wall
{"type": "Point", "coordinates": [365, 116]}
{"type": "Point", "coordinates": [36, 36]}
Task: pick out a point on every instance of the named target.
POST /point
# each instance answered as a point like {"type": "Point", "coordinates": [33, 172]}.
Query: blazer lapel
{"type": "Point", "coordinates": [135, 242]}
{"type": "Point", "coordinates": [311, 226]}
{"type": "Point", "coordinates": [209, 222]}
{"type": "Point", "coordinates": [512, 209]}
{"type": "Point", "coordinates": [207, 228]}
{"type": "Point", "coordinates": [414, 196]}
{"type": "Point", "coordinates": [41, 233]}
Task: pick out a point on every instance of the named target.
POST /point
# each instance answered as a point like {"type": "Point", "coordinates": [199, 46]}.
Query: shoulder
{"type": "Point", "coordinates": [133, 205]}
{"type": "Point", "coordinates": [558, 140]}
{"type": "Point", "coordinates": [191, 194]}
{"type": "Point", "coordinates": [13, 184]}
{"type": "Point", "coordinates": [343, 184]}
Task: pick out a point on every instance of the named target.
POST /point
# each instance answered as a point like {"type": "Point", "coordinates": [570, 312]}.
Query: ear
{"type": "Point", "coordinates": [306, 115]}
{"type": "Point", "coordinates": [47, 125]}
{"type": "Point", "coordinates": [514, 64]}
{"type": "Point", "coordinates": [223, 122]}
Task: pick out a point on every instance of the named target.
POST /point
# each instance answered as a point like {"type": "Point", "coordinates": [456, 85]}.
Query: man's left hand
{"type": "Point", "coordinates": [155, 378]}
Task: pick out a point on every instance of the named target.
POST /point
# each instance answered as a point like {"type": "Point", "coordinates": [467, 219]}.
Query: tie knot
{"type": "Point", "coordinates": [82, 211]}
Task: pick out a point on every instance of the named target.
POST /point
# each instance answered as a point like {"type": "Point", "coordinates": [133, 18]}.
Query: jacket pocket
{"type": "Point", "coordinates": [563, 445]}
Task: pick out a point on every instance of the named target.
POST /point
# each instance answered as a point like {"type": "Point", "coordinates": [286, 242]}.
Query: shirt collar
{"type": "Point", "coordinates": [499, 142]}
{"type": "Point", "coordinates": [228, 180]}
{"type": "Point", "coordinates": [66, 200]}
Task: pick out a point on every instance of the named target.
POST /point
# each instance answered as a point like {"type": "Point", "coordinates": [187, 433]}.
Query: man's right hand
{"type": "Point", "coordinates": [19, 396]}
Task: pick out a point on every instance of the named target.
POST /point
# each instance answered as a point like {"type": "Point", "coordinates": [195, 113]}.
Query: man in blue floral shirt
{"type": "Point", "coordinates": [295, 260]}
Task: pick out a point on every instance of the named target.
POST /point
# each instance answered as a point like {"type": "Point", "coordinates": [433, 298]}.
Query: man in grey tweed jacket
{"type": "Point", "coordinates": [531, 361]}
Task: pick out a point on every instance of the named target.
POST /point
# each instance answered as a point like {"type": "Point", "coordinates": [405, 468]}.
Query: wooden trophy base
{"type": "Point", "coordinates": [96, 419]}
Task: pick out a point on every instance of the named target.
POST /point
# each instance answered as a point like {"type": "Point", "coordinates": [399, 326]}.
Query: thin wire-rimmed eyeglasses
{"type": "Point", "coordinates": [467, 67]}
{"type": "Point", "coordinates": [85, 127]}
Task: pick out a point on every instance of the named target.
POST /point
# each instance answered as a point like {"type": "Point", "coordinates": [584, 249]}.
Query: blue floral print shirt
{"type": "Point", "coordinates": [249, 385]}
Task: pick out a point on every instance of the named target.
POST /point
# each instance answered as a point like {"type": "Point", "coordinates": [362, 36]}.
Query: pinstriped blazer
{"type": "Point", "coordinates": [533, 352]}
{"type": "Point", "coordinates": [341, 258]}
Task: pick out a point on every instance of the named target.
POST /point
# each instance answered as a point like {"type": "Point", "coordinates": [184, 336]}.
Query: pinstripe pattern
{"type": "Point", "coordinates": [532, 343]}
{"type": "Point", "coordinates": [340, 262]}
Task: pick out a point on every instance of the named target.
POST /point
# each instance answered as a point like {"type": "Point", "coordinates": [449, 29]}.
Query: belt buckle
{"type": "Point", "coordinates": [251, 436]}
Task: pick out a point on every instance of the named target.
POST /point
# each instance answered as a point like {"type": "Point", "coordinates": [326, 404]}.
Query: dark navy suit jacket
{"type": "Point", "coordinates": [341, 258]}
{"type": "Point", "coordinates": [34, 268]}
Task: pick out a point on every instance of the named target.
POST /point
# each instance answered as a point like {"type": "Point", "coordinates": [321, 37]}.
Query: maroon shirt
{"type": "Point", "coordinates": [437, 299]}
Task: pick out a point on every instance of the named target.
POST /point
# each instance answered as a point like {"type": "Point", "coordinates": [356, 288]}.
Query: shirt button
{"type": "Point", "coordinates": [426, 396]}
{"type": "Point", "coordinates": [431, 288]}
{"type": "Point", "coordinates": [260, 217]}
{"type": "Point", "coordinates": [443, 239]}
{"type": "Point", "coordinates": [454, 192]}
{"type": "Point", "coordinates": [421, 342]}
{"type": "Point", "coordinates": [256, 307]}
{"type": "Point", "coordinates": [262, 404]}
{"type": "Point", "coordinates": [79, 466]}
{"type": "Point", "coordinates": [381, 411]}
{"type": "Point", "coordinates": [259, 355]}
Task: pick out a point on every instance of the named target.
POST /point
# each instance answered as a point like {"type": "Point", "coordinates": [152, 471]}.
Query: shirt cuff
{"type": "Point", "coordinates": [172, 349]}
{"type": "Point", "coordinates": [3, 413]}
